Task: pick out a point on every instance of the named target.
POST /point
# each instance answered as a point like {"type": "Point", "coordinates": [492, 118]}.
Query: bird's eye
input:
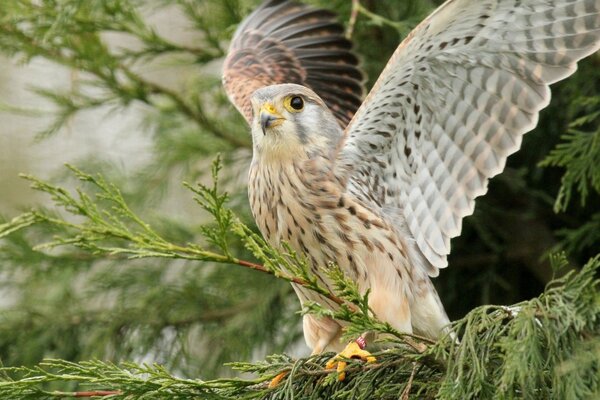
{"type": "Point", "coordinates": [297, 103]}
{"type": "Point", "coordinates": [294, 103]}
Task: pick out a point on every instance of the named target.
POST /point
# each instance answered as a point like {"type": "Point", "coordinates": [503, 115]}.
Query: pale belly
{"type": "Point", "coordinates": [327, 226]}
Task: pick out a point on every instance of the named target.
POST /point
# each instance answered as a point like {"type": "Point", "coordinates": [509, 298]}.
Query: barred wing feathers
{"type": "Point", "coordinates": [289, 42]}
{"type": "Point", "coordinates": [453, 103]}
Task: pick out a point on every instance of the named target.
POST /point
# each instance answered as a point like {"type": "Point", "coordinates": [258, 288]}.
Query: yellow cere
{"type": "Point", "coordinates": [269, 108]}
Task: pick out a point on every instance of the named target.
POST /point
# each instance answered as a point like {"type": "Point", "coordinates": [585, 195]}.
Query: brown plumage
{"type": "Point", "coordinates": [289, 42]}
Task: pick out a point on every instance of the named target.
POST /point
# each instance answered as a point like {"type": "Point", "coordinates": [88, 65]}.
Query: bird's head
{"type": "Point", "coordinates": [292, 121]}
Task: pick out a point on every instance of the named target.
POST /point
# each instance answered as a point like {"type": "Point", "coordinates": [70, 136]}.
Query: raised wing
{"type": "Point", "coordinates": [288, 42]}
{"type": "Point", "coordinates": [453, 103]}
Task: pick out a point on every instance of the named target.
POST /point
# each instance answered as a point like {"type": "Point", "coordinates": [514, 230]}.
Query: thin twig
{"type": "Point", "coordinates": [353, 17]}
{"type": "Point", "coordinates": [90, 393]}
{"type": "Point", "coordinates": [378, 18]}
{"type": "Point", "coordinates": [406, 391]}
{"type": "Point", "coordinates": [293, 279]}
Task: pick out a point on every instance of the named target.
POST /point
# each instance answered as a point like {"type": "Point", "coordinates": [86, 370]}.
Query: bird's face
{"type": "Point", "coordinates": [291, 121]}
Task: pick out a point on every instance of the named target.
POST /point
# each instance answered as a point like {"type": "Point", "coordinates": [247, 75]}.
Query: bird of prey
{"type": "Point", "coordinates": [380, 186]}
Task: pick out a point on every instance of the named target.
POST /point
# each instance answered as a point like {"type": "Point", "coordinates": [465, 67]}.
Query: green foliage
{"type": "Point", "coordinates": [579, 154]}
{"type": "Point", "coordinates": [546, 347]}
{"type": "Point", "coordinates": [527, 350]}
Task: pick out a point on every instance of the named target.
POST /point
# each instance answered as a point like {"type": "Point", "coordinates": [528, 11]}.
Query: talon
{"type": "Point", "coordinates": [341, 370]}
{"type": "Point", "coordinates": [277, 380]}
{"type": "Point", "coordinates": [353, 350]}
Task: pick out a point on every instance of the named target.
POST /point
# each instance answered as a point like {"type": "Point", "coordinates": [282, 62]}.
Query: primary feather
{"type": "Point", "coordinates": [453, 103]}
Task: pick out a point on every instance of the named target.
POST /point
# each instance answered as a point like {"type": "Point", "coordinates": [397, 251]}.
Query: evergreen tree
{"type": "Point", "coordinates": [109, 270]}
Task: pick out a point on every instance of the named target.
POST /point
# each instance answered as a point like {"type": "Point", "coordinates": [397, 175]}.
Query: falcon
{"type": "Point", "coordinates": [380, 186]}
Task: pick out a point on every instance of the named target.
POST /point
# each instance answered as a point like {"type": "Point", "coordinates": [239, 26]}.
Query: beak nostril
{"type": "Point", "coordinates": [269, 117]}
{"type": "Point", "coordinates": [266, 120]}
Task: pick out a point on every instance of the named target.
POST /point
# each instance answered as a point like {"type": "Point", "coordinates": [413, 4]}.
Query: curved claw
{"type": "Point", "coordinates": [352, 350]}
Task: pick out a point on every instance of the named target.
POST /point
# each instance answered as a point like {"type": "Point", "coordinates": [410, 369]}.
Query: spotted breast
{"type": "Point", "coordinates": [299, 202]}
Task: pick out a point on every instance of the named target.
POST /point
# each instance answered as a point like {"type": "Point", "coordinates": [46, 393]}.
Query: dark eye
{"type": "Point", "coordinates": [297, 103]}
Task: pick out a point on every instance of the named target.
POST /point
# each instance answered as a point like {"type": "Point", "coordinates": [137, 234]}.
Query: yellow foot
{"type": "Point", "coordinates": [277, 380]}
{"type": "Point", "coordinates": [353, 350]}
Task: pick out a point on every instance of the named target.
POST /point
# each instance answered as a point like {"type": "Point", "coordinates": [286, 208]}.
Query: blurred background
{"type": "Point", "coordinates": [131, 89]}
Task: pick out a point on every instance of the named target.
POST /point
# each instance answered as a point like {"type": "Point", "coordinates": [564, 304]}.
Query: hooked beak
{"type": "Point", "coordinates": [269, 117]}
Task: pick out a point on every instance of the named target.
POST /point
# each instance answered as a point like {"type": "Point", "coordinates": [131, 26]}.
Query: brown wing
{"type": "Point", "coordinates": [288, 42]}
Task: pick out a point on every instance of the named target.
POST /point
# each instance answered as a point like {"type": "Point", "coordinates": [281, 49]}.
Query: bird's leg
{"type": "Point", "coordinates": [354, 349]}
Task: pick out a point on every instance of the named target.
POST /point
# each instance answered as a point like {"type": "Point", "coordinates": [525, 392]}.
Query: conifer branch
{"type": "Point", "coordinates": [111, 228]}
{"type": "Point", "coordinates": [535, 349]}
{"type": "Point", "coordinates": [407, 21]}
{"type": "Point", "coordinates": [79, 46]}
{"type": "Point", "coordinates": [579, 154]}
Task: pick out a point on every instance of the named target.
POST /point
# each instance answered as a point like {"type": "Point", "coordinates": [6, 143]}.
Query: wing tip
{"type": "Point", "coordinates": [295, 23]}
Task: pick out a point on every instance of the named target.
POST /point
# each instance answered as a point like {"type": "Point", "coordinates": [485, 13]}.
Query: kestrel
{"type": "Point", "coordinates": [382, 193]}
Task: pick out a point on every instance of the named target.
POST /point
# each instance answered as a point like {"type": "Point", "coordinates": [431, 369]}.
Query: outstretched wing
{"type": "Point", "coordinates": [288, 42]}
{"type": "Point", "coordinates": [453, 103]}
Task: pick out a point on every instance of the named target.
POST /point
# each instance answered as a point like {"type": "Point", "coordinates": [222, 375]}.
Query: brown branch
{"type": "Point", "coordinates": [292, 279]}
{"type": "Point", "coordinates": [406, 391]}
